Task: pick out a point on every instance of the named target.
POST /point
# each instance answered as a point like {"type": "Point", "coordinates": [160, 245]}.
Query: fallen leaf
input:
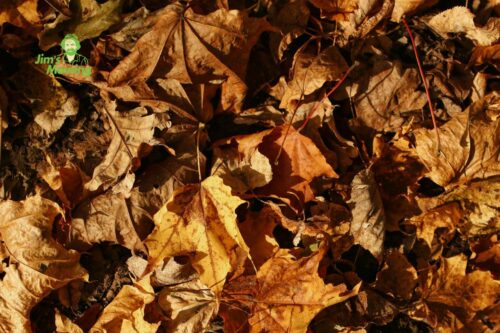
{"type": "Point", "coordinates": [89, 19]}
{"type": "Point", "coordinates": [295, 156]}
{"type": "Point", "coordinates": [65, 325]}
{"type": "Point", "coordinates": [398, 277]}
{"type": "Point", "coordinates": [38, 264]}
{"type": "Point", "coordinates": [190, 305]}
{"type": "Point", "coordinates": [219, 47]}
{"type": "Point", "coordinates": [310, 72]}
{"type": "Point", "coordinates": [126, 312]}
{"type": "Point", "coordinates": [461, 19]}
{"type": "Point", "coordinates": [132, 137]}
{"type": "Point", "coordinates": [405, 7]}
{"type": "Point", "coordinates": [447, 216]}
{"type": "Point", "coordinates": [23, 14]}
{"type": "Point", "coordinates": [50, 102]}
{"type": "Point", "coordinates": [486, 55]}
{"type": "Point", "coordinates": [457, 294]}
{"type": "Point", "coordinates": [290, 293]}
{"type": "Point", "coordinates": [368, 220]}
{"type": "Point", "coordinates": [200, 219]}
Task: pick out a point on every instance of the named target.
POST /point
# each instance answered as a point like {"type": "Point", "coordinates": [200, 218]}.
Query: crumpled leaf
{"type": "Point", "coordinates": [89, 19]}
{"type": "Point", "coordinates": [290, 293]}
{"type": "Point", "coordinates": [38, 264]}
{"type": "Point", "coordinates": [446, 216]}
{"type": "Point", "coordinates": [65, 325]}
{"type": "Point", "coordinates": [486, 54]}
{"type": "Point", "coordinates": [479, 202]}
{"type": "Point", "coordinates": [373, 97]}
{"type": "Point", "coordinates": [454, 296]}
{"type": "Point", "coordinates": [126, 312]}
{"type": "Point", "coordinates": [219, 47]}
{"type": "Point", "coordinates": [405, 7]}
{"type": "Point", "coordinates": [51, 104]}
{"type": "Point", "coordinates": [200, 219]}
{"type": "Point", "coordinates": [22, 14]}
{"type": "Point", "coordinates": [132, 137]}
{"type": "Point", "coordinates": [299, 159]}
{"type": "Point", "coordinates": [190, 305]}
{"type": "Point", "coordinates": [398, 277]}
{"type": "Point", "coordinates": [368, 218]}
{"type": "Point", "coordinates": [460, 19]}
{"type": "Point", "coordinates": [310, 72]}
{"type": "Point", "coordinates": [240, 164]}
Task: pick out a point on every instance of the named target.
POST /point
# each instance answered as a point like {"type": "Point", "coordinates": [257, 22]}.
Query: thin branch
{"type": "Point", "coordinates": [422, 75]}
{"type": "Point", "coordinates": [311, 113]}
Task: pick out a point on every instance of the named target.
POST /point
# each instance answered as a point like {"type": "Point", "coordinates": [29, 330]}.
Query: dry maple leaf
{"type": "Point", "coordinates": [460, 19]}
{"type": "Point", "coordinates": [289, 293]}
{"type": "Point", "coordinates": [398, 277]}
{"type": "Point", "coordinates": [310, 72]}
{"type": "Point", "coordinates": [405, 7]}
{"type": "Point", "coordinates": [132, 137]}
{"type": "Point", "coordinates": [126, 312]}
{"type": "Point", "coordinates": [190, 305]}
{"type": "Point", "coordinates": [21, 13]}
{"type": "Point", "coordinates": [219, 47]}
{"type": "Point", "coordinates": [368, 218]}
{"type": "Point", "coordinates": [447, 216]}
{"type": "Point", "coordinates": [453, 296]}
{"type": "Point", "coordinates": [65, 325]}
{"type": "Point", "coordinates": [200, 219]}
{"type": "Point", "coordinates": [295, 163]}
{"type": "Point", "coordinates": [38, 264]}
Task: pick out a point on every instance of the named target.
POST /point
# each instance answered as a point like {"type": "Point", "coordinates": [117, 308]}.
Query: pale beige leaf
{"type": "Point", "coordinates": [191, 306]}
{"type": "Point", "coordinates": [368, 218]}
{"type": "Point", "coordinates": [405, 7]}
{"type": "Point", "coordinates": [311, 72]}
{"type": "Point", "coordinates": [132, 135]}
{"type": "Point", "coordinates": [38, 264]}
{"type": "Point", "coordinates": [461, 19]}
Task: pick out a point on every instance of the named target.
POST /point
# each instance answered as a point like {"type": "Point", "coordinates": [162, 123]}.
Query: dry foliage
{"type": "Point", "coordinates": [250, 166]}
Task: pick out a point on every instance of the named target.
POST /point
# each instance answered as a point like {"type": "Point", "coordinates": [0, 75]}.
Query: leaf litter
{"type": "Point", "coordinates": [250, 166]}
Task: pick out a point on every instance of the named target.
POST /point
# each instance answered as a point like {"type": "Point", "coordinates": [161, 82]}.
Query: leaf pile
{"type": "Point", "coordinates": [250, 166]}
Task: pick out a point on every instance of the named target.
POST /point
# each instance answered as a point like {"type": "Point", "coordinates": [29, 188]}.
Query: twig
{"type": "Point", "coordinates": [311, 113]}
{"type": "Point", "coordinates": [422, 75]}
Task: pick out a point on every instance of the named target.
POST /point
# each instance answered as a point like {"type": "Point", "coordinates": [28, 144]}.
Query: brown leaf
{"type": "Point", "coordinates": [457, 294]}
{"type": "Point", "coordinates": [398, 277]}
{"type": "Point", "coordinates": [368, 218]}
{"type": "Point", "coordinates": [126, 312]}
{"type": "Point", "coordinates": [132, 136]}
{"type": "Point", "coordinates": [486, 54]}
{"type": "Point", "coordinates": [446, 216]}
{"type": "Point", "coordinates": [219, 47]}
{"type": "Point", "coordinates": [405, 7]}
{"type": "Point", "coordinates": [310, 72]}
{"type": "Point", "coordinates": [190, 305]}
{"type": "Point", "coordinates": [294, 166]}
{"type": "Point", "coordinates": [460, 19]}
{"type": "Point", "coordinates": [200, 219]}
{"type": "Point", "coordinates": [38, 264]}
{"type": "Point", "coordinates": [65, 325]}
{"type": "Point", "coordinates": [21, 13]}
{"type": "Point", "coordinates": [291, 293]}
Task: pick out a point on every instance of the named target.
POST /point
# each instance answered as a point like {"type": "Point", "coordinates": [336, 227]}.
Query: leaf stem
{"type": "Point", "coordinates": [422, 75]}
{"type": "Point", "coordinates": [313, 110]}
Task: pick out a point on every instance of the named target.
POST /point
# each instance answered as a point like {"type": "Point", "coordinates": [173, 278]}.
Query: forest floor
{"type": "Point", "coordinates": [302, 166]}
